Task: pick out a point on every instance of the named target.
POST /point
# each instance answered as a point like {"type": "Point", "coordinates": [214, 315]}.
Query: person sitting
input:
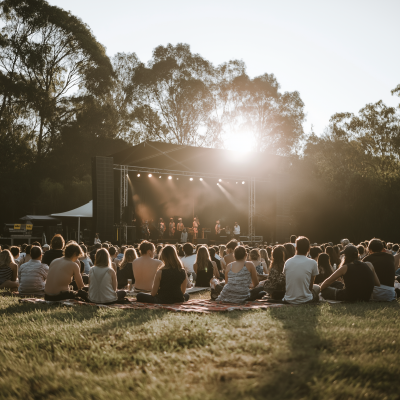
{"type": "Point", "coordinates": [325, 271]}
{"type": "Point", "coordinates": [114, 260]}
{"type": "Point", "coordinates": [300, 272]}
{"type": "Point", "coordinates": [92, 254]}
{"type": "Point", "coordinates": [27, 256]}
{"type": "Point", "coordinates": [8, 270]}
{"type": "Point", "coordinates": [359, 279]}
{"type": "Point", "coordinates": [145, 267]}
{"type": "Point", "coordinates": [230, 250]}
{"type": "Point", "coordinates": [125, 271]}
{"type": "Point", "coordinates": [217, 261]}
{"type": "Point", "coordinates": [62, 272]}
{"type": "Point", "coordinates": [32, 274]}
{"type": "Point", "coordinates": [103, 280]}
{"type": "Point", "coordinates": [56, 250]}
{"type": "Point", "coordinates": [86, 260]}
{"type": "Point", "coordinates": [261, 266]}
{"type": "Point", "coordinates": [290, 250]}
{"type": "Point", "coordinates": [384, 265]}
{"type": "Point", "coordinates": [204, 268]}
{"type": "Point", "coordinates": [315, 251]}
{"type": "Point", "coordinates": [275, 284]}
{"type": "Point", "coordinates": [239, 275]}
{"type": "Point", "coordinates": [189, 259]}
{"type": "Point", "coordinates": [170, 281]}
{"type": "Point", "coordinates": [333, 256]}
{"type": "Point", "coordinates": [120, 255]}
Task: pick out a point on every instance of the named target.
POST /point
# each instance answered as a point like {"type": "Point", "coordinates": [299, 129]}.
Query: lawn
{"type": "Point", "coordinates": [342, 351]}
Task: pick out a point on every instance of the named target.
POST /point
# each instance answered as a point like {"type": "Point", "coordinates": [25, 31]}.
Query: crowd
{"type": "Point", "coordinates": [294, 273]}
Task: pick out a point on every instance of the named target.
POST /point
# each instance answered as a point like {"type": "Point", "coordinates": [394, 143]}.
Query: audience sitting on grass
{"type": "Point", "coordinates": [33, 273]}
{"type": "Point", "coordinates": [85, 259]}
{"type": "Point", "coordinates": [57, 245]}
{"type": "Point", "coordinates": [92, 254]}
{"type": "Point", "coordinates": [230, 250]}
{"type": "Point", "coordinates": [324, 267]}
{"type": "Point", "coordinates": [217, 261]}
{"type": "Point", "coordinates": [27, 255]}
{"type": "Point", "coordinates": [125, 271]}
{"type": "Point", "coordinates": [259, 263]}
{"type": "Point", "coordinates": [290, 250]}
{"type": "Point", "coordinates": [189, 259]}
{"type": "Point", "coordinates": [14, 250]}
{"type": "Point", "coordinates": [103, 280]}
{"type": "Point", "coordinates": [204, 268]}
{"type": "Point", "coordinates": [145, 267]}
{"type": "Point", "coordinates": [315, 251]}
{"type": "Point", "coordinates": [275, 284]}
{"type": "Point", "coordinates": [61, 273]}
{"type": "Point", "coordinates": [8, 271]}
{"type": "Point", "coordinates": [170, 281]}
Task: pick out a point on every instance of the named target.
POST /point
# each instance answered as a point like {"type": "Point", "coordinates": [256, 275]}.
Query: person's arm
{"type": "Point", "coordinates": [184, 284]}
{"type": "Point", "coordinates": [253, 272]}
{"type": "Point", "coordinates": [195, 268]}
{"type": "Point", "coordinates": [114, 267]}
{"type": "Point", "coordinates": [215, 269]}
{"type": "Point", "coordinates": [113, 279]}
{"type": "Point", "coordinates": [14, 268]}
{"type": "Point", "coordinates": [376, 279]}
{"type": "Point", "coordinates": [77, 276]}
{"type": "Point", "coordinates": [334, 277]}
{"type": "Point", "coordinates": [156, 283]}
{"type": "Point", "coordinates": [312, 280]}
{"type": "Point", "coordinates": [226, 273]}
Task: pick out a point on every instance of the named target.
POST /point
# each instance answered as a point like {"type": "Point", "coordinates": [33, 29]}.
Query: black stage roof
{"type": "Point", "coordinates": [198, 159]}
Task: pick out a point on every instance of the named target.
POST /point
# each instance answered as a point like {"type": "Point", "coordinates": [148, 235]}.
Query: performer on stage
{"type": "Point", "coordinates": [196, 224]}
{"type": "Point", "coordinates": [171, 230]}
{"type": "Point", "coordinates": [161, 228]}
{"type": "Point", "coordinates": [236, 231]}
{"type": "Point", "coordinates": [228, 232]}
{"type": "Point", "coordinates": [145, 230]}
{"type": "Point", "coordinates": [96, 239]}
{"type": "Point", "coordinates": [218, 229]}
{"type": "Point", "coordinates": [179, 229]}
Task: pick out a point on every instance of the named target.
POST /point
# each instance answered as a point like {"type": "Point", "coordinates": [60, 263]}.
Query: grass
{"type": "Point", "coordinates": [343, 351]}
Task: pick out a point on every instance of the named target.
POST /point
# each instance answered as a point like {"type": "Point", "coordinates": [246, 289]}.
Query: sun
{"type": "Point", "coordinates": [241, 142]}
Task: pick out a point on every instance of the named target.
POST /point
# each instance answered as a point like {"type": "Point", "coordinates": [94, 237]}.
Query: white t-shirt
{"type": "Point", "coordinates": [236, 230]}
{"type": "Point", "coordinates": [298, 271]}
{"type": "Point", "coordinates": [188, 262]}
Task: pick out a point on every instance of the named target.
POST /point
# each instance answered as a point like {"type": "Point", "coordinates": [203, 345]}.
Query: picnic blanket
{"type": "Point", "coordinates": [196, 305]}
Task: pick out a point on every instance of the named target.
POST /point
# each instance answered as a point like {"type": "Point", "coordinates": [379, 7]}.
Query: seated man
{"type": "Point", "coordinates": [384, 265]}
{"type": "Point", "coordinates": [145, 267]}
{"type": "Point", "coordinates": [300, 272]}
{"type": "Point", "coordinates": [189, 259]}
{"type": "Point", "coordinates": [32, 274]}
{"type": "Point", "coordinates": [60, 275]}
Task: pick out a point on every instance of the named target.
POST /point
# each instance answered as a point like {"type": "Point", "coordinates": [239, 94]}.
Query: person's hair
{"type": "Point", "coordinates": [290, 250]}
{"type": "Point", "coordinates": [84, 249]}
{"type": "Point", "coordinates": [6, 258]}
{"type": "Point", "coordinates": [129, 256]}
{"type": "Point", "coordinates": [73, 249]}
{"type": "Point", "coordinates": [170, 258]}
{"type": "Point", "coordinates": [212, 252]}
{"type": "Point", "coordinates": [28, 249]}
{"type": "Point", "coordinates": [324, 265]}
{"type": "Point", "coordinates": [293, 239]}
{"type": "Point", "coordinates": [337, 251]}
{"type": "Point", "coordinates": [277, 258]}
{"type": "Point", "coordinates": [255, 254]}
{"type": "Point", "coordinates": [375, 245]}
{"type": "Point", "coordinates": [395, 248]}
{"type": "Point", "coordinates": [37, 244]}
{"type": "Point", "coordinates": [57, 242]}
{"type": "Point", "coordinates": [112, 250]}
{"type": "Point", "coordinates": [264, 255]}
{"type": "Point", "coordinates": [333, 257]}
{"type": "Point", "coordinates": [105, 246]}
{"type": "Point", "coordinates": [14, 251]}
{"type": "Point", "coordinates": [314, 251]}
{"type": "Point", "coordinates": [240, 252]}
{"type": "Point", "coordinates": [232, 244]}
{"type": "Point", "coordinates": [102, 258]}
{"type": "Point", "coordinates": [23, 247]}
{"type": "Point", "coordinates": [389, 245]}
{"type": "Point", "coordinates": [345, 242]}
{"type": "Point", "coordinates": [181, 253]}
{"type": "Point", "coordinates": [36, 252]}
{"type": "Point", "coordinates": [97, 246]}
{"type": "Point", "coordinates": [349, 258]}
{"type": "Point", "coordinates": [202, 258]}
{"type": "Point", "coordinates": [123, 248]}
{"type": "Point", "coordinates": [302, 245]}
{"type": "Point", "coordinates": [145, 246]}
{"type": "Point", "coordinates": [269, 251]}
{"type": "Point", "coordinates": [222, 250]}
{"type": "Point", "coordinates": [361, 249]}
{"type": "Point", "coordinates": [188, 249]}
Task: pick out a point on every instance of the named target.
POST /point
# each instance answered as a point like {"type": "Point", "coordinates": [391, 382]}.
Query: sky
{"type": "Point", "coordinates": [338, 54]}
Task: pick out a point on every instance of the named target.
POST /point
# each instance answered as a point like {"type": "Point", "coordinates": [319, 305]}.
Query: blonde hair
{"type": "Point", "coordinates": [129, 256]}
{"type": "Point", "coordinates": [6, 258]}
{"type": "Point", "coordinates": [102, 258]}
{"type": "Point", "coordinates": [202, 259]}
{"type": "Point", "coordinates": [170, 258]}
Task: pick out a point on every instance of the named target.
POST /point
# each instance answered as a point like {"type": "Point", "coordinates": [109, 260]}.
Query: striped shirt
{"type": "Point", "coordinates": [32, 276]}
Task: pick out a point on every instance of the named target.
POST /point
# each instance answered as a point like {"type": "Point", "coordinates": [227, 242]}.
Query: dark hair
{"type": "Point", "coordinates": [73, 249]}
{"type": "Point", "coordinates": [145, 246]}
{"type": "Point", "coordinates": [232, 244]}
{"type": "Point", "coordinates": [36, 252]}
{"type": "Point", "coordinates": [240, 252]}
{"type": "Point", "coordinates": [84, 248]}
{"type": "Point", "coordinates": [37, 244]}
{"type": "Point", "coordinates": [293, 239]}
{"type": "Point", "coordinates": [97, 246]}
{"type": "Point", "coordinates": [269, 251]}
{"type": "Point", "coordinates": [105, 246]}
{"type": "Point", "coordinates": [211, 250]}
{"type": "Point", "coordinates": [302, 245]}
{"type": "Point", "coordinates": [290, 250]}
{"type": "Point", "coordinates": [188, 249]}
{"type": "Point", "coordinates": [314, 251]}
{"type": "Point", "coordinates": [348, 259]}
{"type": "Point", "coordinates": [170, 258]}
{"type": "Point", "coordinates": [112, 250]}
{"type": "Point", "coordinates": [14, 251]}
{"type": "Point", "coordinates": [324, 265]}
{"type": "Point", "coordinates": [277, 259]}
{"type": "Point", "coordinates": [375, 245]}
{"type": "Point", "coordinates": [255, 254]}
{"type": "Point", "coordinates": [361, 249]}
{"type": "Point", "coordinates": [395, 248]}
{"type": "Point", "coordinates": [28, 249]}
{"type": "Point", "coordinates": [334, 258]}
{"type": "Point", "coordinates": [57, 242]}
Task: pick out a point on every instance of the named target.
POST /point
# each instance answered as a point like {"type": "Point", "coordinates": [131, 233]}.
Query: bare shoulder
{"type": "Point", "coordinates": [250, 265]}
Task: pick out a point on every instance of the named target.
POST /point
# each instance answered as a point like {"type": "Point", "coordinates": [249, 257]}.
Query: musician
{"type": "Point", "coordinates": [217, 229]}
{"type": "Point", "coordinates": [228, 232]}
{"type": "Point", "coordinates": [97, 239]}
{"type": "Point", "coordinates": [161, 228]}
{"type": "Point", "coordinates": [179, 229]}
{"type": "Point", "coordinates": [196, 224]}
{"type": "Point", "coordinates": [171, 230]}
{"type": "Point", "coordinates": [145, 230]}
{"type": "Point", "coordinates": [184, 236]}
{"type": "Point", "coordinates": [236, 231]}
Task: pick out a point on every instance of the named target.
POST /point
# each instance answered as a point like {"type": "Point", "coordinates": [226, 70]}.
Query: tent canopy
{"type": "Point", "coordinates": [38, 218]}
{"type": "Point", "coordinates": [85, 211]}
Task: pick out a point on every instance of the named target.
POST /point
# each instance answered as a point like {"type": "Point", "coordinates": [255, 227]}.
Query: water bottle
{"type": "Point", "coordinates": [191, 279]}
{"type": "Point", "coordinates": [129, 285]}
{"type": "Point", "coordinates": [334, 267]}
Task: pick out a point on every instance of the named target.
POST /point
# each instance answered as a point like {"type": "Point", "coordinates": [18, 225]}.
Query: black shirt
{"type": "Point", "coordinates": [170, 290]}
{"type": "Point", "coordinates": [384, 267]}
{"type": "Point", "coordinates": [123, 274]}
{"type": "Point", "coordinates": [51, 255]}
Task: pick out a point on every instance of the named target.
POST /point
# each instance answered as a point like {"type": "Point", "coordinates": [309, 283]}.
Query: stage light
{"type": "Point", "coordinates": [170, 177]}
{"type": "Point", "coordinates": [220, 180]}
{"type": "Point", "coordinates": [160, 176]}
{"type": "Point", "coordinates": [150, 175]}
{"type": "Point", "coordinates": [177, 179]}
{"type": "Point", "coordinates": [190, 179]}
{"type": "Point", "coordinates": [243, 183]}
{"type": "Point", "coordinates": [138, 175]}
{"type": "Point", "coordinates": [217, 184]}
{"type": "Point", "coordinates": [201, 179]}
{"type": "Point", "coordinates": [237, 183]}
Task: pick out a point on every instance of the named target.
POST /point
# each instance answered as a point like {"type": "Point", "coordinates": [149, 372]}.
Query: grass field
{"type": "Point", "coordinates": [343, 351]}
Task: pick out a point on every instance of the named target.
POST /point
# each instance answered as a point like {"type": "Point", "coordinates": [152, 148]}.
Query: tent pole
{"type": "Point", "coordinates": [79, 229]}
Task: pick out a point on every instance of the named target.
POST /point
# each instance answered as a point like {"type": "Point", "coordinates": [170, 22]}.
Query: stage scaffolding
{"type": "Point", "coordinates": [251, 181]}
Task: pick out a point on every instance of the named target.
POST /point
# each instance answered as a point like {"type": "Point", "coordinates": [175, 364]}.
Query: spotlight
{"type": "Point", "coordinates": [160, 176]}
{"type": "Point", "coordinates": [243, 183]}
{"type": "Point", "coordinates": [201, 179]}
{"type": "Point", "coordinates": [190, 179]}
{"type": "Point", "coordinates": [138, 175]}
{"type": "Point", "coordinates": [237, 183]}
{"type": "Point", "coordinates": [170, 177]}
{"type": "Point", "coordinates": [217, 184]}
{"type": "Point", "coordinates": [177, 179]}
{"type": "Point", "coordinates": [150, 175]}
{"type": "Point", "coordinates": [220, 180]}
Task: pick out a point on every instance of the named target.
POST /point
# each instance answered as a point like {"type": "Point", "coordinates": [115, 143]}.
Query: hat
{"type": "Point", "coordinates": [46, 246]}
{"type": "Point", "coordinates": [350, 250]}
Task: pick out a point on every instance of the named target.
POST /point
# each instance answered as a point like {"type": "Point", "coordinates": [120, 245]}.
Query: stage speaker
{"type": "Point", "coordinates": [202, 241]}
{"type": "Point", "coordinates": [103, 197]}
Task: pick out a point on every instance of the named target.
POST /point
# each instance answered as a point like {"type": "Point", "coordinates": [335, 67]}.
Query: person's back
{"type": "Point", "coordinates": [144, 270]}
{"type": "Point", "coordinates": [60, 275]}
{"type": "Point", "coordinates": [359, 283]}
{"type": "Point", "coordinates": [56, 245]}
{"type": "Point", "coordinates": [32, 274]}
{"type": "Point", "coordinates": [189, 259]}
{"type": "Point", "coordinates": [230, 248]}
{"type": "Point", "coordinates": [170, 290]}
{"type": "Point", "coordinates": [101, 286]}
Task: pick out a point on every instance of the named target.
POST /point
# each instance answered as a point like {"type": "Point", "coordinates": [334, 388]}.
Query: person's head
{"type": "Point", "coordinates": [324, 265]}
{"type": "Point", "coordinates": [170, 258]}
{"type": "Point", "coordinates": [84, 250]}
{"type": "Point", "coordinates": [336, 249]}
{"type": "Point", "coordinates": [389, 245]}
{"type": "Point", "coordinates": [57, 242]}
{"type": "Point", "coordinates": [232, 245]}
{"type": "Point", "coordinates": [345, 242]}
{"type": "Point", "coordinates": [112, 251]}
{"type": "Point", "coordinates": [36, 253]}
{"type": "Point", "coordinates": [361, 250]}
{"type": "Point", "coordinates": [6, 258]}
{"type": "Point", "coordinates": [45, 247]}
{"type": "Point", "coordinates": [255, 255]}
{"type": "Point", "coordinates": [302, 246]}
{"type": "Point", "coordinates": [105, 246]}
{"type": "Point", "coordinates": [102, 258]}
{"type": "Point", "coordinates": [212, 252]}
{"type": "Point", "coordinates": [23, 247]}
{"type": "Point", "coordinates": [147, 248]}
{"type": "Point", "coordinates": [350, 254]}
{"type": "Point", "coordinates": [28, 249]}
{"type": "Point", "coordinates": [129, 256]}
{"type": "Point", "coordinates": [395, 248]}
{"type": "Point", "coordinates": [14, 251]}
{"type": "Point", "coordinates": [97, 246]}
{"type": "Point", "coordinates": [278, 257]}
{"type": "Point", "coordinates": [37, 244]}
{"type": "Point", "coordinates": [293, 239]}
{"type": "Point", "coordinates": [240, 253]}
{"type": "Point", "coordinates": [375, 246]}
{"type": "Point", "coordinates": [264, 255]}
{"type": "Point", "coordinates": [290, 250]}
{"type": "Point", "coordinates": [73, 251]}
{"type": "Point", "coordinates": [314, 251]}
{"type": "Point", "coordinates": [202, 258]}
{"type": "Point", "coordinates": [188, 249]}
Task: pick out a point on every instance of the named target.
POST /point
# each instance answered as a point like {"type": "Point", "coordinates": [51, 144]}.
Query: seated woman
{"type": "Point", "coordinates": [8, 271]}
{"type": "Point", "coordinates": [103, 280]}
{"type": "Point", "coordinates": [261, 266]}
{"type": "Point", "coordinates": [204, 268]}
{"type": "Point", "coordinates": [239, 275]}
{"type": "Point", "coordinates": [170, 281]}
{"type": "Point", "coordinates": [125, 271]}
{"type": "Point", "coordinates": [275, 284]}
{"type": "Point", "coordinates": [265, 258]}
{"type": "Point", "coordinates": [325, 271]}
{"type": "Point", "coordinates": [359, 279]}
{"type": "Point", "coordinates": [213, 252]}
